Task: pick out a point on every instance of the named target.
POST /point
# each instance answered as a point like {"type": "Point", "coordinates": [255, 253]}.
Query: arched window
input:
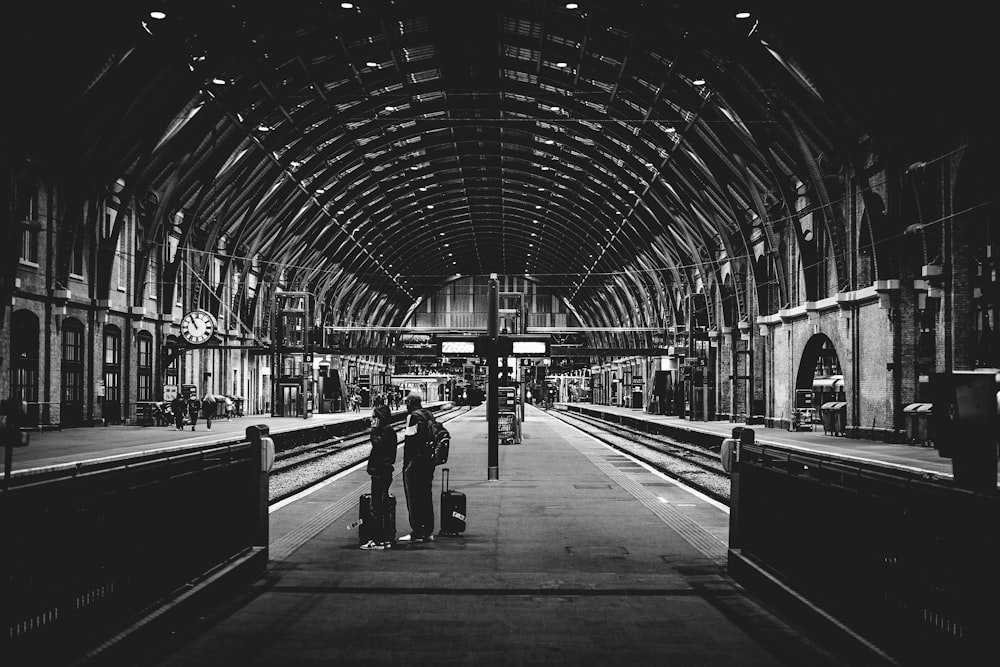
{"type": "Point", "coordinates": [71, 409]}
{"type": "Point", "coordinates": [144, 357]}
{"type": "Point", "coordinates": [24, 360]}
{"type": "Point", "coordinates": [112, 374]}
{"type": "Point", "coordinates": [171, 373]}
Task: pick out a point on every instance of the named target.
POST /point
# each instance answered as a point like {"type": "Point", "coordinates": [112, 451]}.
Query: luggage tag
{"type": "Point", "coordinates": [355, 524]}
{"type": "Point", "coordinates": [459, 516]}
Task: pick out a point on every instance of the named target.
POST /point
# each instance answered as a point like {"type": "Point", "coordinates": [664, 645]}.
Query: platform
{"type": "Point", "coordinates": [577, 555]}
{"type": "Point", "coordinates": [910, 457]}
{"type": "Point", "coordinates": [51, 448]}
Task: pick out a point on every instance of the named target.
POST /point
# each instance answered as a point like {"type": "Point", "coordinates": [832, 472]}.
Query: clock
{"type": "Point", "coordinates": [197, 326]}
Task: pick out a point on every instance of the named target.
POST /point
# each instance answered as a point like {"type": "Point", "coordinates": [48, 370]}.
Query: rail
{"type": "Point", "coordinates": [906, 560]}
{"type": "Point", "coordinates": [89, 547]}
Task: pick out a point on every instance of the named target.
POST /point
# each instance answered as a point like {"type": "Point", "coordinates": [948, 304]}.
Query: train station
{"type": "Point", "coordinates": [706, 295]}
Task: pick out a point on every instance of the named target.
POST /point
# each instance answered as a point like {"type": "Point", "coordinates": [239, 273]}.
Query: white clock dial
{"type": "Point", "coordinates": [197, 326]}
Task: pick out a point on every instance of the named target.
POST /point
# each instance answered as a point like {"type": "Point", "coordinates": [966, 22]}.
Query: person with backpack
{"type": "Point", "coordinates": [418, 472]}
{"type": "Point", "coordinates": [380, 467]}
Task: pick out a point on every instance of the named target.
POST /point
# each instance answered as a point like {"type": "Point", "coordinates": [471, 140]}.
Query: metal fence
{"type": "Point", "coordinates": [905, 560]}
{"type": "Point", "coordinates": [87, 548]}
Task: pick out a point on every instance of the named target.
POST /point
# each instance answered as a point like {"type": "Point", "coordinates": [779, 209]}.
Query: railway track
{"type": "Point", "coordinates": [298, 468]}
{"type": "Point", "coordinates": [695, 466]}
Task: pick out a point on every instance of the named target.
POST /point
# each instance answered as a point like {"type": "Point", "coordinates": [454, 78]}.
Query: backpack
{"type": "Point", "coordinates": [440, 441]}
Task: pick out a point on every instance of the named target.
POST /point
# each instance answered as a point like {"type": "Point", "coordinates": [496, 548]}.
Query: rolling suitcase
{"type": "Point", "coordinates": [366, 524]}
{"type": "Point", "coordinates": [452, 508]}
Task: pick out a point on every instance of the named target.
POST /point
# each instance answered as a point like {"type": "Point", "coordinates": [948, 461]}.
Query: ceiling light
{"type": "Point", "coordinates": [572, 5]}
{"type": "Point", "coordinates": [371, 63]}
{"type": "Point", "coordinates": [699, 82]}
{"type": "Point", "coordinates": [545, 168]}
{"type": "Point", "coordinates": [218, 81]}
{"type": "Point", "coordinates": [321, 191]}
{"type": "Point", "coordinates": [555, 109]}
{"type": "Point", "coordinates": [390, 108]}
{"type": "Point", "coordinates": [742, 15]}
{"type": "Point", "coordinates": [538, 205]}
{"type": "Point", "coordinates": [263, 128]}
{"type": "Point", "coordinates": [550, 141]}
{"type": "Point", "coordinates": [670, 130]}
{"type": "Point", "coordinates": [158, 15]}
{"type": "Point", "coordinates": [347, 5]}
{"type": "Point", "coordinates": [430, 206]}
{"type": "Point", "coordinates": [562, 64]}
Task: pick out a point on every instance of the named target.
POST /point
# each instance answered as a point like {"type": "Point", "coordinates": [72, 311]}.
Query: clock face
{"type": "Point", "coordinates": [197, 326]}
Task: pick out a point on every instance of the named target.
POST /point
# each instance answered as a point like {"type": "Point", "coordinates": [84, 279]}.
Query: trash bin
{"type": "Point", "coordinates": [839, 421]}
{"type": "Point", "coordinates": [834, 417]}
{"type": "Point", "coordinates": [923, 429]}
{"type": "Point", "coordinates": [910, 422]}
{"type": "Point", "coordinates": [826, 416]}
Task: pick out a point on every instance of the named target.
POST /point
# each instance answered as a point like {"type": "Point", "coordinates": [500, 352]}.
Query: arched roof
{"type": "Point", "coordinates": [619, 152]}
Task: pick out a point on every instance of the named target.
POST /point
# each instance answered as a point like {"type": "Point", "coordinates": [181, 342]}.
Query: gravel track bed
{"type": "Point", "coordinates": [283, 484]}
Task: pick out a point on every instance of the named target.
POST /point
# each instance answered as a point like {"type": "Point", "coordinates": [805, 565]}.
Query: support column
{"type": "Point", "coordinates": [492, 395]}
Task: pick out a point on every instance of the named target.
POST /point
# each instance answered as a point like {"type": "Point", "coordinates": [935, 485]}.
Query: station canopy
{"type": "Point", "coordinates": [621, 153]}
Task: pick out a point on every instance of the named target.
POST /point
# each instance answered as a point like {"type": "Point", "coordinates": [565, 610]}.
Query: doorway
{"type": "Point", "coordinates": [288, 400]}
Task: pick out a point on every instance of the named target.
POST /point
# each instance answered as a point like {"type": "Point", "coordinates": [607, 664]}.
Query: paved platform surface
{"type": "Point", "coordinates": [913, 457]}
{"type": "Point", "coordinates": [577, 555]}
{"type": "Point", "coordinates": [49, 448]}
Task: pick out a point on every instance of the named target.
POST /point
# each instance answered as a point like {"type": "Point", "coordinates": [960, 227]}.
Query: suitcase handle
{"type": "Point", "coordinates": [445, 478]}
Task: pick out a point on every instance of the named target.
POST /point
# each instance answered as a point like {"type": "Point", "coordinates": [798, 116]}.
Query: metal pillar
{"type": "Point", "coordinates": [492, 397]}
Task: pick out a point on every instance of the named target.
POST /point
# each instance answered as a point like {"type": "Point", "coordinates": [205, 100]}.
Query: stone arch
{"type": "Point", "coordinates": [820, 370]}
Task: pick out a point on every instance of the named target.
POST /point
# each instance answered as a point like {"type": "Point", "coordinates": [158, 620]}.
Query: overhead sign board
{"type": "Point", "coordinates": [530, 348]}
{"type": "Point", "coordinates": [466, 347]}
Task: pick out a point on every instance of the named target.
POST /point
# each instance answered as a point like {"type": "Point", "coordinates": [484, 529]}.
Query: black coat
{"type": "Point", "coordinates": [383, 437]}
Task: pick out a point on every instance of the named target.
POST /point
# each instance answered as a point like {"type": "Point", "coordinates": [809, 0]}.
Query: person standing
{"type": "Point", "coordinates": [380, 467]}
{"type": "Point", "coordinates": [418, 473]}
{"type": "Point", "coordinates": [177, 407]}
{"type": "Point", "coordinates": [208, 406]}
{"type": "Point", "coordinates": [193, 406]}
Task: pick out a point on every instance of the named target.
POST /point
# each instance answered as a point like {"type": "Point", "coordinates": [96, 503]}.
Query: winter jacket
{"type": "Point", "coordinates": [417, 436]}
{"type": "Point", "coordinates": [383, 437]}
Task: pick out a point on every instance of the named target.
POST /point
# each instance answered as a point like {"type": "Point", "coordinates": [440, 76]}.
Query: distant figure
{"type": "Point", "coordinates": [380, 466]}
{"type": "Point", "coordinates": [418, 473]}
{"type": "Point", "coordinates": [177, 406]}
{"type": "Point", "coordinates": [193, 406]}
{"type": "Point", "coordinates": [208, 409]}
